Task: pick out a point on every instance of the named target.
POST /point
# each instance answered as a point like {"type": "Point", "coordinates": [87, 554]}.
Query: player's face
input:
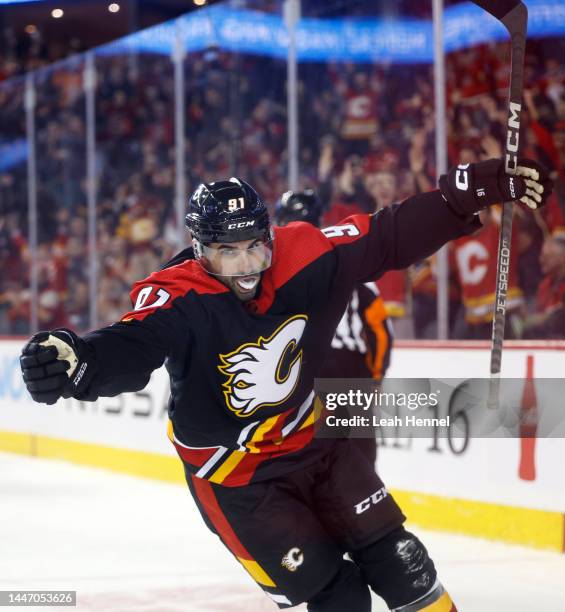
{"type": "Point", "coordinates": [236, 264]}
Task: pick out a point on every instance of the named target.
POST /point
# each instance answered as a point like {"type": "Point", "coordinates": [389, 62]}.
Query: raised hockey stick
{"type": "Point", "coordinates": [514, 15]}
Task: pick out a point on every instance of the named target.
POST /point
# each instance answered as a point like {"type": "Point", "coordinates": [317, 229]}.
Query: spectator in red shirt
{"type": "Point", "coordinates": [552, 260]}
{"type": "Point", "coordinates": [549, 320]}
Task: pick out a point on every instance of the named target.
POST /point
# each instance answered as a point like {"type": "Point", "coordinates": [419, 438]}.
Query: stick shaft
{"type": "Point", "coordinates": [516, 24]}
{"type": "Point", "coordinates": [513, 14]}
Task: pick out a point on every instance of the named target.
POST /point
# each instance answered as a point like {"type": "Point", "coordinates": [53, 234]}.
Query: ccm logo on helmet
{"type": "Point", "coordinates": [241, 224]}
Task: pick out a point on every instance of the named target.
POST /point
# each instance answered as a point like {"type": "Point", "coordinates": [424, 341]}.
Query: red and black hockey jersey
{"type": "Point", "coordinates": [242, 375]}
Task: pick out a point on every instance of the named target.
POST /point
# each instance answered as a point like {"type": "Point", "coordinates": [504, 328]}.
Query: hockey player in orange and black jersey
{"type": "Point", "coordinates": [362, 341]}
{"type": "Point", "coordinates": [243, 329]}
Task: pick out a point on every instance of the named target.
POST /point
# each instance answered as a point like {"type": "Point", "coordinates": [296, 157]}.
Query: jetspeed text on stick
{"type": "Point", "coordinates": [503, 276]}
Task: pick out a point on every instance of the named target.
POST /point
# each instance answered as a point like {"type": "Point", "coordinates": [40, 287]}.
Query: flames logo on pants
{"type": "Point", "coordinates": [264, 373]}
{"type": "Point", "coordinates": [293, 559]}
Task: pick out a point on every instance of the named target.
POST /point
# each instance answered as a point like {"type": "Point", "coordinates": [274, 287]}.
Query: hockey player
{"type": "Point", "coordinates": [243, 330]}
{"type": "Point", "coordinates": [362, 341]}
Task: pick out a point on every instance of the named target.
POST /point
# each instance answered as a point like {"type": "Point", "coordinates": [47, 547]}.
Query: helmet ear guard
{"type": "Point", "coordinates": [197, 247]}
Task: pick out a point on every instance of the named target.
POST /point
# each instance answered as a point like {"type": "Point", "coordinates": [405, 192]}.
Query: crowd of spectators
{"type": "Point", "coordinates": [380, 149]}
{"type": "Point", "coordinates": [367, 141]}
{"type": "Point", "coordinates": [28, 49]}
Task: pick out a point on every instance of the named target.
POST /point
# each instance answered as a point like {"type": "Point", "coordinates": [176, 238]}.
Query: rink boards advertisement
{"type": "Point", "coordinates": [507, 489]}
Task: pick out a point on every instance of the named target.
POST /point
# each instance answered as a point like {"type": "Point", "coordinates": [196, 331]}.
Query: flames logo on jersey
{"type": "Point", "coordinates": [264, 373]}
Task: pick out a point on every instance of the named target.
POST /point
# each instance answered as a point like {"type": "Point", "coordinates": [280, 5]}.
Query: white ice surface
{"type": "Point", "coordinates": [128, 544]}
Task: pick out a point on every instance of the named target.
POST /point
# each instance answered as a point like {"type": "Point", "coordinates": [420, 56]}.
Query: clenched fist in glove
{"type": "Point", "coordinates": [469, 188]}
{"type": "Point", "coordinates": [56, 364]}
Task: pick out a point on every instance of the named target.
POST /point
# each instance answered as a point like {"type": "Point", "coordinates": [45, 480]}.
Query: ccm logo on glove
{"type": "Point", "coordinates": [462, 177]}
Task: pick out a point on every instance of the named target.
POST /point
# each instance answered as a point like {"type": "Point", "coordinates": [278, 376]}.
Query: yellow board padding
{"type": "Point", "coordinates": [20, 443]}
{"type": "Point", "coordinates": [127, 461]}
{"type": "Point", "coordinates": [257, 572]}
{"type": "Point", "coordinates": [536, 528]}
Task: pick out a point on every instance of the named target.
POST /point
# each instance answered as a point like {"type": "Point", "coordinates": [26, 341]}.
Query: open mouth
{"type": "Point", "coordinates": [247, 283]}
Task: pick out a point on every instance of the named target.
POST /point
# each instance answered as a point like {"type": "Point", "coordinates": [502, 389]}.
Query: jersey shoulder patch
{"type": "Point", "coordinates": [161, 288]}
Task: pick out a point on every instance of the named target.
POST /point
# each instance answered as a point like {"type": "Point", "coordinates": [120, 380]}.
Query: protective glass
{"type": "Point", "coordinates": [234, 261]}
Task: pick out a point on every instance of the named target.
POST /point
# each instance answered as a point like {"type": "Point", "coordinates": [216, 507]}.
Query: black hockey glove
{"type": "Point", "coordinates": [472, 187]}
{"type": "Point", "coordinates": [56, 364]}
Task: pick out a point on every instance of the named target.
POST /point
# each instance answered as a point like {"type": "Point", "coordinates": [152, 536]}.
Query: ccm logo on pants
{"type": "Point", "coordinates": [374, 499]}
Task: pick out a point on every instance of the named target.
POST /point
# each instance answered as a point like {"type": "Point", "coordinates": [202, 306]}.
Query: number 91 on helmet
{"type": "Point", "coordinates": [230, 228]}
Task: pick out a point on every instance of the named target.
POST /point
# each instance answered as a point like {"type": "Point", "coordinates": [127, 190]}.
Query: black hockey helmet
{"type": "Point", "coordinates": [227, 211]}
{"type": "Point", "coordinates": [298, 206]}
